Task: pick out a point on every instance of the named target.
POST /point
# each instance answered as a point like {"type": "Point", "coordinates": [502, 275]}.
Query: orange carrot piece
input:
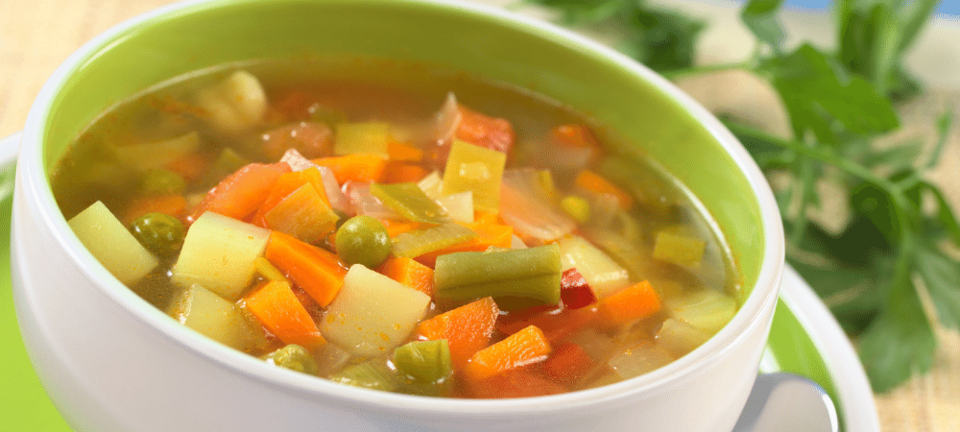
{"type": "Point", "coordinates": [276, 307]}
{"type": "Point", "coordinates": [636, 301]}
{"type": "Point", "coordinates": [485, 131]}
{"type": "Point", "coordinates": [403, 152]}
{"type": "Point", "coordinates": [190, 166]}
{"type": "Point", "coordinates": [240, 194]}
{"type": "Point", "coordinates": [495, 235]}
{"type": "Point", "coordinates": [486, 218]}
{"type": "Point", "coordinates": [568, 364]}
{"type": "Point", "coordinates": [315, 270]}
{"type": "Point", "coordinates": [396, 227]}
{"type": "Point", "coordinates": [402, 172]}
{"type": "Point", "coordinates": [516, 383]}
{"type": "Point", "coordinates": [173, 204]}
{"type": "Point", "coordinates": [287, 184]}
{"type": "Point", "coordinates": [410, 273]}
{"type": "Point", "coordinates": [593, 182]}
{"type": "Point", "coordinates": [356, 167]}
{"type": "Point", "coordinates": [522, 348]}
{"type": "Point", "coordinates": [575, 135]}
{"type": "Point", "coordinates": [467, 329]}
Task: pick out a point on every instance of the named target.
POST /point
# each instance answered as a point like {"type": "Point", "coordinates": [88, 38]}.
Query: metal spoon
{"type": "Point", "coordinates": [784, 402]}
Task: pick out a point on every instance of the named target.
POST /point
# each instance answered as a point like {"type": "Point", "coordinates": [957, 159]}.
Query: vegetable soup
{"type": "Point", "coordinates": [398, 227]}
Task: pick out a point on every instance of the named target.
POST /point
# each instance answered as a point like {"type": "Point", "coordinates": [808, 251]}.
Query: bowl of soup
{"type": "Point", "coordinates": [384, 215]}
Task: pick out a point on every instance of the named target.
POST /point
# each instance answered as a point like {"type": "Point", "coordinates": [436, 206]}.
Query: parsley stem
{"type": "Point", "coordinates": [694, 70]}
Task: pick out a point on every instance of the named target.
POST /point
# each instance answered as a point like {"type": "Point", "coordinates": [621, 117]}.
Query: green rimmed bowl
{"type": "Point", "coordinates": [110, 361]}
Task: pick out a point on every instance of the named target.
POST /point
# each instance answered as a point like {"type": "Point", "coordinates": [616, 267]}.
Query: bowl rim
{"type": "Point", "coordinates": [761, 299]}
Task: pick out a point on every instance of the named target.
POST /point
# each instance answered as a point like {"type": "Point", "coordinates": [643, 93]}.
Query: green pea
{"type": "Point", "coordinates": [363, 240]}
{"type": "Point", "coordinates": [161, 182]}
{"type": "Point", "coordinates": [161, 234]}
{"type": "Point", "coordinates": [293, 357]}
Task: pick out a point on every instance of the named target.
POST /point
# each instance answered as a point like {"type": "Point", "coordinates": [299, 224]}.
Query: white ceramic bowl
{"type": "Point", "coordinates": [111, 362]}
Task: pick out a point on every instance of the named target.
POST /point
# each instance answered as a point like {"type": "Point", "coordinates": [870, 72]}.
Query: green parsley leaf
{"type": "Point", "coordinates": [760, 16]}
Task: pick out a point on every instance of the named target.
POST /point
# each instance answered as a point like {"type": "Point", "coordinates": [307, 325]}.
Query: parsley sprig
{"type": "Point", "coordinates": [896, 248]}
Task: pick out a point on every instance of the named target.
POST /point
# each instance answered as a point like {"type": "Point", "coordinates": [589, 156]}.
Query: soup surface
{"type": "Point", "coordinates": [397, 227]}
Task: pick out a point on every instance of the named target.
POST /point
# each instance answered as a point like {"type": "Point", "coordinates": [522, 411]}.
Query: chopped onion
{"type": "Point", "coordinates": [365, 204]}
{"type": "Point", "coordinates": [296, 160]}
{"type": "Point", "coordinates": [448, 119]}
{"type": "Point", "coordinates": [527, 206]}
{"type": "Point", "coordinates": [338, 201]}
{"type": "Point", "coordinates": [517, 243]}
{"type": "Point", "coordinates": [459, 206]}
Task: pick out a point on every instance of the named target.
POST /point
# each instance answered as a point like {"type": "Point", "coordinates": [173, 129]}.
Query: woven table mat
{"type": "Point", "coordinates": [36, 36]}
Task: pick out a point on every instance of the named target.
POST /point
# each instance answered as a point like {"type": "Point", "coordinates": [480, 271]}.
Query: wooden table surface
{"type": "Point", "coordinates": [37, 35]}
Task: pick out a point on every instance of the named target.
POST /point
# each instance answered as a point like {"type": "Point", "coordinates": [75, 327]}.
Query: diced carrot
{"type": "Point", "coordinates": [500, 236]}
{"type": "Point", "coordinates": [278, 309]}
{"type": "Point", "coordinates": [467, 329]}
{"type": "Point", "coordinates": [402, 172]}
{"type": "Point", "coordinates": [315, 270]}
{"type": "Point", "coordinates": [410, 273]}
{"type": "Point", "coordinates": [516, 383]}
{"type": "Point", "coordinates": [362, 168]}
{"type": "Point", "coordinates": [555, 324]}
{"type": "Point", "coordinates": [636, 301]}
{"type": "Point", "coordinates": [173, 204]}
{"type": "Point", "coordinates": [190, 166]}
{"type": "Point", "coordinates": [404, 152]}
{"type": "Point", "coordinates": [593, 182]}
{"type": "Point", "coordinates": [241, 193]}
{"type": "Point", "coordinates": [396, 227]}
{"type": "Point", "coordinates": [522, 348]}
{"type": "Point", "coordinates": [482, 217]}
{"type": "Point", "coordinates": [567, 364]}
{"type": "Point", "coordinates": [575, 135]}
{"type": "Point", "coordinates": [287, 184]}
{"type": "Point", "coordinates": [485, 131]}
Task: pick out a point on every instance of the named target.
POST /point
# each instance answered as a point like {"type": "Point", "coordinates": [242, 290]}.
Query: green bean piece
{"type": "Point", "coordinates": [411, 202]}
{"type": "Point", "coordinates": [424, 362]}
{"type": "Point", "coordinates": [293, 357]}
{"type": "Point", "coordinates": [161, 182]}
{"type": "Point", "coordinates": [363, 240]}
{"type": "Point", "coordinates": [414, 243]}
{"type": "Point", "coordinates": [160, 233]}
{"type": "Point", "coordinates": [373, 374]}
{"type": "Point", "coordinates": [516, 278]}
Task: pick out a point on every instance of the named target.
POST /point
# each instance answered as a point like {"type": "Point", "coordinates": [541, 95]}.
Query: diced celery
{"type": "Point", "coordinates": [514, 278]}
{"type": "Point", "coordinates": [578, 208]}
{"type": "Point", "coordinates": [216, 318]}
{"type": "Point", "coordinates": [707, 310]}
{"type": "Point", "coordinates": [410, 202]}
{"type": "Point", "coordinates": [302, 214]}
{"type": "Point", "coordinates": [459, 206]}
{"type": "Point", "coordinates": [227, 163]}
{"type": "Point", "coordinates": [266, 269]}
{"type": "Point", "coordinates": [432, 185]}
{"type": "Point", "coordinates": [679, 338]}
{"type": "Point", "coordinates": [639, 360]}
{"type": "Point", "coordinates": [293, 357]}
{"type": "Point", "coordinates": [331, 359]}
{"type": "Point", "coordinates": [356, 138]}
{"type": "Point", "coordinates": [112, 244]}
{"type": "Point", "coordinates": [476, 169]}
{"type": "Point", "coordinates": [605, 276]}
{"type": "Point", "coordinates": [414, 243]}
{"type": "Point", "coordinates": [372, 313]}
{"type": "Point", "coordinates": [372, 374]}
{"type": "Point", "coordinates": [156, 154]}
{"type": "Point", "coordinates": [624, 252]}
{"type": "Point", "coordinates": [235, 104]}
{"type": "Point", "coordinates": [679, 249]}
{"type": "Point", "coordinates": [220, 253]}
{"type": "Point", "coordinates": [424, 361]}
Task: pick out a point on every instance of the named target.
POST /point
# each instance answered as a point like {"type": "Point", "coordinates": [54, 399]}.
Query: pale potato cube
{"type": "Point", "coordinates": [112, 244]}
{"type": "Point", "coordinates": [216, 318]}
{"type": "Point", "coordinates": [220, 253]}
{"type": "Point", "coordinates": [372, 313]}
{"type": "Point", "coordinates": [235, 104]}
{"type": "Point", "coordinates": [601, 272]}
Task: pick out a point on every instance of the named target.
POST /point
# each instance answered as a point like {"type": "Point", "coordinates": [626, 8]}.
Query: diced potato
{"type": "Point", "coordinates": [372, 313]}
{"type": "Point", "coordinates": [216, 318]}
{"type": "Point", "coordinates": [707, 310]}
{"type": "Point", "coordinates": [152, 155]}
{"type": "Point", "coordinates": [476, 169]}
{"type": "Point", "coordinates": [679, 338]}
{"type": "Point", "coordinates": [639, 360]}
{"type": "Point", "coordinates": [366, 138]}
{"type": "Point", "coordinates": [220, 253]}
{"type": "Point", "coordinates": [679, 249]}
{"type": "Point", "coordinates": [235, 104]}
{"type": "Point", "coordinates": [602, 273]}
{"type": "Point", "coordinates": [112, 244]}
